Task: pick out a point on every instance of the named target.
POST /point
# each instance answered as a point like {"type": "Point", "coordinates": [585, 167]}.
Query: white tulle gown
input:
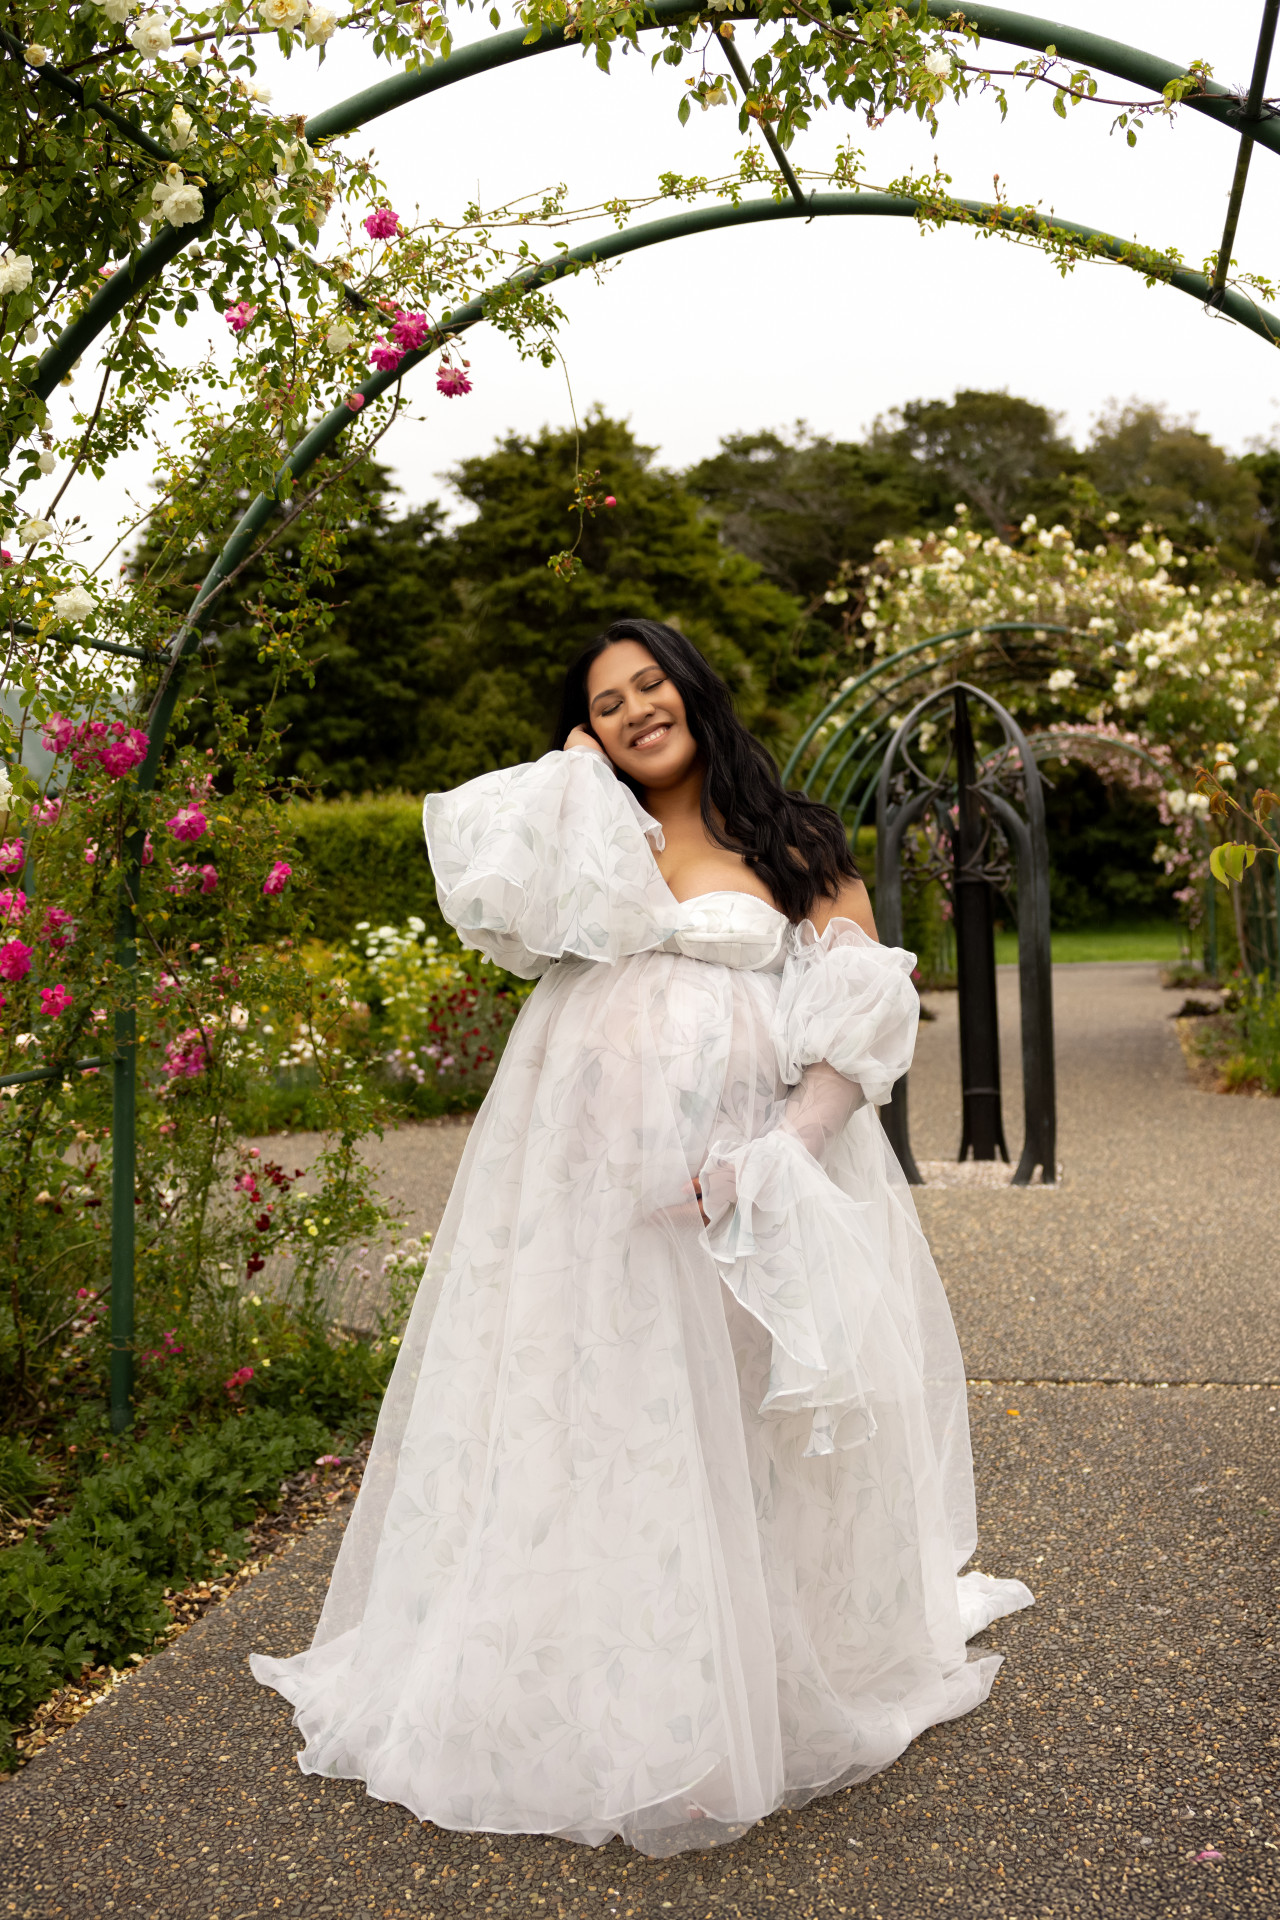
{"type": "Point", "coordinates": [662, 1523]}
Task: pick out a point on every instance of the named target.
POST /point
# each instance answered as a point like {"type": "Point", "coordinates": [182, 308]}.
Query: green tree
{"type": "Point", "coordinates": [801, 505]}
{"type": "Point", "coordinates": [989, 450]}
{"type": "Point", "coordinates": [1155, 468]}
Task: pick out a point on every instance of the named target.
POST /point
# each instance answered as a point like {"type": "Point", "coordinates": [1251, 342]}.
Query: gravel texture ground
{"type": "Point", "coordinates": [1128, 1761]}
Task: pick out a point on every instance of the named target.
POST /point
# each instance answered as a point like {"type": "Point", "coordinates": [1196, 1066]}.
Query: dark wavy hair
{"type": "Point", "coordinates": [795, 844]}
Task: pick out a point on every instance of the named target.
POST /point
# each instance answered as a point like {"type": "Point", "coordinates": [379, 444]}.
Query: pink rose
{"type": "Point", "coordinates": [277, 878]}
{"type": "Point", "coordinates": [382, 224]}
{"type": "Point", "coordinates": [188, 823]}
{"type": "Point", "coordinates": [59, 929]}
{"type": "Point", "coordinates": [185, 1057]}
{"type": "Point", "coordinates": [15, 960]}
{"type": "Point", "coordinates": [13, 856]}
{"type": "Point", "coordinates": [386, 359]}
{"type": "Point", "coordinates": [354, 402]}
{"type": "Point", "coordinates": [451, 381]}
{"type": "Point", "coordinates": [59, 733]}
{"type": "Point", "coordinates": [47, 813]}
{"type": "Point", "coordinates": [148, 852]}
{"type": "Point", "coordinates": [54, 1000]}
{"type": "Point", "coordinates": [13, 903]}
{"type": "Point", "coordinates": [239, 316]}
{"type": "Point", "coordinates": [410, 330]}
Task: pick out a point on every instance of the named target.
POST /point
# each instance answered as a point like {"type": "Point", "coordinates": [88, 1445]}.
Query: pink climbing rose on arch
{"type": "Point", "coordinates": [12, 856]}
{"type": "Point", "coordinates": [188, 823]}
{"type": "Point", "coordinates": [451, 381]}
{"type": "Point", "coordinates": [239, 316]}
{"type": "Point", "coordinates": [278, 877]}
{"type": "Point", "coordinates": [410, 330]}
{"type": "Point", "coordinates": [15, 960]}
{"type": "Point", "coordinates": [54, 1000]}
{"type": "Point", "coordinates": [383, 357]}
{"type": "Point", "coordinates": [13, 903]}
{"type": "Point", "coordinates": [382, 224]}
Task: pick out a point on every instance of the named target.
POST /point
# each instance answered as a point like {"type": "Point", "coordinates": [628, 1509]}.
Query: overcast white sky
{"type": "Point", "coordinates": [837, 321]}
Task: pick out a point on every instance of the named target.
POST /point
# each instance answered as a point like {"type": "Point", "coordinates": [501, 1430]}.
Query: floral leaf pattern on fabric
{"type": "Point", "coordinates": [662, 1523]}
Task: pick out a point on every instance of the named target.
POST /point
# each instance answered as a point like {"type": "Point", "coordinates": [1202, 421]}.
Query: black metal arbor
{"type": "Point", "coordinates": [980, 828]}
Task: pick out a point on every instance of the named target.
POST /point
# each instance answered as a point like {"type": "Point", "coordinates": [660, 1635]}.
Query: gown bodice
{"type": "Point", "coordinates": [731, 929]}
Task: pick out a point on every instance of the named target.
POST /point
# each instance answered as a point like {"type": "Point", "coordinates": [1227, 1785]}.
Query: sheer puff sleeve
{"type": "Point", "coordinates": [848, 1001]}
{"type": "Point", "coordinates": [549, 861]}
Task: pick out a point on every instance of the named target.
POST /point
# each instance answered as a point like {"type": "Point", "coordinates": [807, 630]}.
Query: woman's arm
{"type": "Point", "coordinates": [853, 902]}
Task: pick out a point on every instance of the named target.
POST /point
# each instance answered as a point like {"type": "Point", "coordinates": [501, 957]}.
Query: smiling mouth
{"type": "Point", "coordinates": [653, 737]}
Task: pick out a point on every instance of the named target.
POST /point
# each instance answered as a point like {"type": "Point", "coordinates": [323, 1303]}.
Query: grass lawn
{"type": "Point", "coordinates": [1123, 940]}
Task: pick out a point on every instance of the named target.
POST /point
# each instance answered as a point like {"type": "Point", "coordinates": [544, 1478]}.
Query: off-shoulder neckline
{"type": "Point", "coordinates": [728, 893]}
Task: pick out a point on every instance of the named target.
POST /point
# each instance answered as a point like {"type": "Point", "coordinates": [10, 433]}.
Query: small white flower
{"type": "Point", "coordinates": [75, 604]}
{"type": "Point", "coordinates": [1060, 679]}
{"type": "Point", "coordinates": [15, 271]}
{"type": "Point", "coordinates": [36, 55]}
{"type": "Point", "coordinates": [180, 129]}
{"type": "Point", "coordinates": [261, 94]}
{"type": "Point", "coordinates": [321, 24]}
{"type": "Point", "coordinates": [48, 461]}
{"type": "Point", "coordinates": [282, 14]}
{"type": "Point", "coordinates": [338, 339]}
{"type": "Point", "coordinates": [939, 65]}
{"type": "Point", "coordinates": [1225, 772]}
{"type": "Point", "coordinates": [34, 529]}
{"type": "Point", "coordinates": [151, 36]}
{"type": "Point", "coordinates": [191, 57]}
{"type": "Point", "coordinates": [117, 11]}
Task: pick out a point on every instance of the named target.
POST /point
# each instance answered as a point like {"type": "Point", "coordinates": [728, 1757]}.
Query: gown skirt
{"type": "Point", "coordinates": [663, 1522]}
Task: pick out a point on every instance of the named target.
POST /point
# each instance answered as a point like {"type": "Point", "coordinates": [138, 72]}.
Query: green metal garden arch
{"type": "Point", "coordinates": [1245, 117]}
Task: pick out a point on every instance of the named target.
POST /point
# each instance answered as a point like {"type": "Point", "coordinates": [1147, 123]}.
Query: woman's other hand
{"type": "Point", "coordinates": [580, 740]}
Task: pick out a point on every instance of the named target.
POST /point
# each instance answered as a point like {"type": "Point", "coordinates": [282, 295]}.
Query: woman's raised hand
{"type": "Point", "coordinates": [580, 739]}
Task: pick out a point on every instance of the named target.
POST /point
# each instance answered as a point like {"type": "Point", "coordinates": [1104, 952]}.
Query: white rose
{"type": "Point", "coordinates": [321, 24]}
{"type": "Point", "coordinates": [939, 65]}
{"type": "Point", "coordinates": [32, 530]}
{"type": "Point", "coordinates": [47, 461]}
{"type": "Point", "coordinates": [182, 206]}
{"type": "Point", "coordinates": [191, 57]}
{"type": "Point", "coordinates": [262, 95]}
{"type": "Point", "coordinates": [15, 271]}
{"type": "Point", "coordinates": [74, 604]}
{"type": "Point", "coordinates": [297, 157]}
{"type": "Point", "coordinates": [282, 14]}
{"type": "Point", "coordinates": [36, 55]}
{"type": "Point", "coordinates": [180, 129]}
{"type": "Point", "coordinates": [117, 11]}
{"type": "Point", "coordinates": [339, 337]}
{"type": "Point", "coordinates": [151, 36]}
{"type": "Point", "coordinates": [1060, 679]}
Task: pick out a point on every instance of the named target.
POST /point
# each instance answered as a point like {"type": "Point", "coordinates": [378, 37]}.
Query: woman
{"type": "Point", "coordinates": [662, 1523]}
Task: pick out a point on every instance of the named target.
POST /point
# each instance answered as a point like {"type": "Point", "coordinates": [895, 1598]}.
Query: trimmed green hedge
{"type": "Point", "coordinates": [367, 860]}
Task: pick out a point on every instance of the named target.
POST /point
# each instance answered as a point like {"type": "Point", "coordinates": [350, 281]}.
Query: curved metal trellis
{"type": "Point", "coordinates": [970, 813]}
{"type": "Point", "coordinates": [1146, 70]}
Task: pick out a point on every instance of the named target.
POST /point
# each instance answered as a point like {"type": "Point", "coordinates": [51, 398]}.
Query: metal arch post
{"type": "Point", "coordinates": [1250, 118]}
{"type": "Point", "coordinates": [1034, 952]}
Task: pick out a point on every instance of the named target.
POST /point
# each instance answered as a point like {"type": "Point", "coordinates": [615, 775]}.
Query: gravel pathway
{"type": "Point", "coordinates": [1133, 1728]}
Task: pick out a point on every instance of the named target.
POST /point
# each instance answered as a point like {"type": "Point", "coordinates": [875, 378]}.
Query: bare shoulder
{"type": "Point", "coordinates": [853, 902]}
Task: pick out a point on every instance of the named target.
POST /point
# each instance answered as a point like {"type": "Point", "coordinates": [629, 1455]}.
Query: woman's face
{"type": "Point", "coordinates": [638, 716]}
